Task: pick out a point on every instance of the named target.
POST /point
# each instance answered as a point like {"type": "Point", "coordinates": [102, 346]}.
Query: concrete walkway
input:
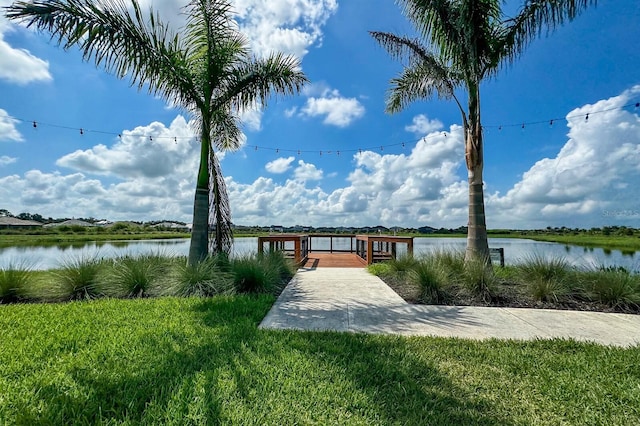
{"type": "Point", "coordinates": [349, 299]}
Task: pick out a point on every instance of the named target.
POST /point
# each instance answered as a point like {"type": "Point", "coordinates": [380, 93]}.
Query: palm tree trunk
{"type": "Point", "coordinates": [477, 242]}
{"type": "Point", "coordinates": [199, 247]}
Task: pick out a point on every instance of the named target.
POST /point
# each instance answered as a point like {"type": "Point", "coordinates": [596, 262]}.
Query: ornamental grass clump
{"type": "Point", "coordinates": [207, 278]}
{"type": "Point", "coordinates": [478, 279]}
{"type": "Point", "coordinates": [402, 264]}
{"type": "Point", "coordinates": [77, 279]}
{"type": "Point", "coordinates": [451, 260]}
{"type": "Point", "coordinates": [432, 277]}
{"type": "Point", "coordinates": [256, 274]}
{"type": "Point", "coordinates": [617, 288]}
{"type": "Point", "coordinates": [136, 276]}
{"type": "Point", "coordinates": [546, 280]}
{"type": "Point", "coordinates": [15, 281]}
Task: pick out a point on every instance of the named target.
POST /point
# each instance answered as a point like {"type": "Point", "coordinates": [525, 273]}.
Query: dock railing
{"type": "Point", "coordinates": [368, 248]}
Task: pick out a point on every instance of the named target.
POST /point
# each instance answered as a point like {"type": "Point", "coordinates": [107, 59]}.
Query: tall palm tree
{"type": "Point", "coordinates": [467, 41]}
{"type": "Point", "coordinates": [207, 69]}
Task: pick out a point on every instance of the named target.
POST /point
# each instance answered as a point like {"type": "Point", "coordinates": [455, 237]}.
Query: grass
{"type": "Point", "coordinates": [261, 273]}
{"type": "Point", "coordinates": [204, 361]}
{"type": "Point", "coordinates": [11, 240]}
{"type": "Point", "coordinates": [135, 276]}
{"type": "Point", "coordinates": [546, 279]}
{"type": "Point", "coordinates": [616, 288]}
{"type": "Point", "coordinates": [77, 280]}
{"type": "Point", "coordinates": [208, 278]}
{"type": "Point", "coordinates": [15, 283]}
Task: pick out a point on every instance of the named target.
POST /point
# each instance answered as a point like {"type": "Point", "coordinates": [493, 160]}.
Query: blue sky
{"type": "Point", "coordinates": [575, 173]}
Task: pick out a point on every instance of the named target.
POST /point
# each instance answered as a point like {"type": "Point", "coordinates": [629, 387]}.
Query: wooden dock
{"type": "Point", "coordinates": [361, 250]}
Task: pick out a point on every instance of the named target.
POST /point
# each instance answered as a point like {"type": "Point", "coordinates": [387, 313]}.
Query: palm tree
{"type": "Point", "coordinates": [207, 69]}
{"type": "Point", "coordinates": [468, 41]}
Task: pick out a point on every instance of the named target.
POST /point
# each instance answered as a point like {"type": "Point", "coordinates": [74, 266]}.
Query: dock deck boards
{"type": "Point", "coordinates": [333, 260]}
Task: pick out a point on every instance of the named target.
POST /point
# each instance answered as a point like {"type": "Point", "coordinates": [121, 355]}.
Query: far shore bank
{"type": "Point", "coordinates": [624, 243]}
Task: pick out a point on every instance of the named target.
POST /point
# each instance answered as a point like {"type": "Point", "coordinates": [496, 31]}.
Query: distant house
{"type": "Point", "coordinates": [70, 222]}
{"type": "Point", "coordinates": [7, 222]}
{"type": "Point", "coordinates": [172, 226]}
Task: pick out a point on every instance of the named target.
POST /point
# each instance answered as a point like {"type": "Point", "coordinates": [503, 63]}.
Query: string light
{"type": "Point", "coordinates": [37, 124]}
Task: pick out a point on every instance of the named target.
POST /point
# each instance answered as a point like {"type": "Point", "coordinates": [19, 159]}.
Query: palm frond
{"type": "Point", "coordinates": [220, 225]}
{"type": "Point", "coordinates": [226, 134]}
{"type": "Point", "coordinates": [421, 81]}
{"type": "Point", "coordinates": [533, 18]}
{"type": "Point", "coordinates": [124, 43]}
{"type": "Point", "coordinates": [254, 81]}
{"type": "Point", "coordinates": [401, 48]}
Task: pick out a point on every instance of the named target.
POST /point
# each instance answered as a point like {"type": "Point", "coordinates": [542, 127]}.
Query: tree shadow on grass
{"type": "Point", "coordinates": [222, 369]}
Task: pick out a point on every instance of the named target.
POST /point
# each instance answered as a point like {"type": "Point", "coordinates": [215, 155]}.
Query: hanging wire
{"type": "Point", "coordinates": [38, 124]}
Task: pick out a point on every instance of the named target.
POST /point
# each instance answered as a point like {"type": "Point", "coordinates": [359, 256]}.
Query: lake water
{"type": "Point", "coordinates": [515, 249]}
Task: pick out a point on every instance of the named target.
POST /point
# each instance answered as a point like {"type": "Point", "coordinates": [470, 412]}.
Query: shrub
{"type": "Point", "coordinates": [15, 281]}
{"type": "Point", "coordinates": [77, 279]}
{"type": "Point", "coordinates": [205, 279]}
{"type": "Point", "coordinates": [546, 279]}
{"type": "Point", "coordinates": [380, 269]}
{"type": "Point", "coordinates": [616, 288]}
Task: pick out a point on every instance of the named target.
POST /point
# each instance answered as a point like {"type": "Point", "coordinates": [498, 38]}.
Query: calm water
{"type": "Point", "coordinates": [47, 257]}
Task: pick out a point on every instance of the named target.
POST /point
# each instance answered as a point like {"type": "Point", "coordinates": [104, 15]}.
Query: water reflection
{"type": "Point", "coordinates": [52, 256]}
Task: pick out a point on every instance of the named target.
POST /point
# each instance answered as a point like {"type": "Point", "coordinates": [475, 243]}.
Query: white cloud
{"type": "Point", "coordinates": [5, 159]}
{"type": "Point", "coordinates": [19, 66]}
{"type": "Point", "coordinates": [422, 125]}
{"type": "Point", "coordinates": [252, 118]}
{"type": "Point", "coordinates": [307, 171]}
{"type": "Point", "coordinates": [288, 26]}
{"type": "Point", "coordinates": [280, 165]}
{"type": "Point", "coordinates": [594, 173]}
{"type": "Point", "coordinates": [337, 110]}
{"type": "Point", "coordinates": [8, 131]}
{"type": "Point", "coordinates": [390, 189]}
{"type": "Point", "coordinates": [147, 151]}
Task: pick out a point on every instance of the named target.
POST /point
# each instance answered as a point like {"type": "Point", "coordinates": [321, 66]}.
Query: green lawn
{"type": "Point", "coordinates": [204, 361]}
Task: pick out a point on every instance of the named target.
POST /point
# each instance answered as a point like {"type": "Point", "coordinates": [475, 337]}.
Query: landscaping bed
{"type": "Point", "coordinates": [442, 278]}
